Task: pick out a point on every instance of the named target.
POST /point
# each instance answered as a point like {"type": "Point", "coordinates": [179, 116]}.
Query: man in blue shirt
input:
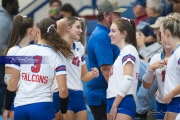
{"type": "Point", "coordinates": [102, 54]}
{"type": "Point", "coordinates": [8, 9]}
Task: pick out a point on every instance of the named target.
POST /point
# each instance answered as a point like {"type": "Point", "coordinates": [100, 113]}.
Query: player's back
{"type": "Point", "coordinates": [37, 66]}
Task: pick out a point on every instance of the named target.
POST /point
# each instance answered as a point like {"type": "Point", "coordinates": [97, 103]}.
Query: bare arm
{"type": "Point", "coordinates": [105, 71]}
{"type": "Point", "coordinates": [152, 68]}
{"type": "Point", "coordinates": [86, 75]}
{"type": "Point", "coordinates": [15, 76]}
{"type": "Point", "coordinates": [62, 26]}
{"type": "Point", "coordinates": [128, 70]}
{"type": "Point", "coordinates": [169, 96]}
{"type": "Point", "coordinates": [62, 85]}
{"type": "Point", "coordinates": [148, 85]}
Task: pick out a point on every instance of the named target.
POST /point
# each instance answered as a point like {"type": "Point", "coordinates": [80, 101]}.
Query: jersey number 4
{"type": "Point", "coordinates": [37, 64]}
{"type": "Point", "coordinates": [76, 61]}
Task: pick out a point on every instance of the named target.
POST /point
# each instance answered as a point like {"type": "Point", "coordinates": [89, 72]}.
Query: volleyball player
{"type": "Point", "coordinates": [33, 100]}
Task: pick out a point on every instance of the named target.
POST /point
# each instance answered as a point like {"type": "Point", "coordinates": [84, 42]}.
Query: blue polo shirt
{"type": "Point", "coordinates": [100, 52]}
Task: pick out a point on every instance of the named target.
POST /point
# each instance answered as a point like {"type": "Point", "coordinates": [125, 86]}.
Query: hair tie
{"type": "Point", "coordinates": [53, 26]}
{"type": "Point", "coordinates": [126, 19]}
{"type": "Point", "coordinates": [22, 15]}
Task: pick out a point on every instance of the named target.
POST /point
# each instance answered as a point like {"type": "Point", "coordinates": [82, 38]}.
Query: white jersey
{"type": "Point", "coordinates": [73, 68]}
{"type": "Point", "coordinates": [37, 77]}
{"type": "Point", "coordinates": [128, 53]}
{"type": "Point", "coordinates": [12, 52]}
{"type": "Point", "coordinates": [160, 76]}
{"type": "Point", "coordinates": [178, 117]}
{"type": "Point", "coordinates": [172, 72]}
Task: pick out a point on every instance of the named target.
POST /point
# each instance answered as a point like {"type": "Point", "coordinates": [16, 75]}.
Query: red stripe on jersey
{"type": "Point", "coordinates": [82, 58]}
{"type": "Point", "coordinates": [61, 68]}
{"type": "Point", "coordinates": [128, 56]}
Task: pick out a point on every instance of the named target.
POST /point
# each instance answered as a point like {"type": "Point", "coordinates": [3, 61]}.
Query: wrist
{"type": "Point", "coordinates": [114, 105]}
{"type": "Point", "coordinates": [171, 94]}
{"type": "Point", "coordinates": [150, 68]}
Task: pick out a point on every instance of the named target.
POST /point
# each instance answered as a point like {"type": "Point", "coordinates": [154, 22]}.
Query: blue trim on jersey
{"type": "Point", "coordinates": [18, 45]}
{"type": "Point", "coordinates": [61, 68]}
{"type": "Point", "coordinates": [162, 55]}
{"type": "Point", "coordinates": [74, 46]}
{"type": "Point", "coordinates": [17, 64]}
{"type": "Point", "coordinates": [43, 45]}
{"type": "Point", "coordinates": [179, 61]}
{"type": "Point", "coordinates": [82, 58]}
{"type": "Point", "coordinates": [128, 56]}
{"type": "Point", "coordinates": [175, 49]}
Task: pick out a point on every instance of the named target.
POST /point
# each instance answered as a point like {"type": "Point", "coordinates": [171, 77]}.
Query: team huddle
{"type": "Point", "coordinates": [50, 88]}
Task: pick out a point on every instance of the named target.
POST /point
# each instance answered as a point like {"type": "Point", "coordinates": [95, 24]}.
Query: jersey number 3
{"type": "Point", "coordinates": [37, 64]}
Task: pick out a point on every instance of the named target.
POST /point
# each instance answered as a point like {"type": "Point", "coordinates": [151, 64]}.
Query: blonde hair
{"type": "Point", "coordinates": [172, 23]}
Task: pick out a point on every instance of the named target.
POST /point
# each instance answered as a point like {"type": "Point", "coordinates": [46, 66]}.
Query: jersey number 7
{"type": "Point", "coordinates": [37, 64]}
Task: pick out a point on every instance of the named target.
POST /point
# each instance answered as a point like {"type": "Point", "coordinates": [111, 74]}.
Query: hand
{"type": "Point", "coordinates": [62, 26]}
{"type": "Point", "coordinates": [167, 98]}
{"type": "Point", "coordinates": [140, 39]}
{"type": "Point", "coordinates": [60, 116]}
{"type": "Point", "coordinates": [53, 11]}
{"type": "Point", "coordinates": [166, 60]}
{"type": "Point", "coordinates": [158, 64]}
{"type": "Point", "coordinates": [63, 116]}
{"type": "Point", "coordinates": [113, 113]}
{"type": "Point", "coordinates": [6, 114]}
{"type": "Point", "coordinates": [94, 72]}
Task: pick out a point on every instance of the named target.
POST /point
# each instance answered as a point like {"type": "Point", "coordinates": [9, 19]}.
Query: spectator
{"type": "Point", "coordinates": [154, 9]}
{"type": "Point", "coordinates": [67, 10]}
{"type": "Point", "coordinates": [7, 10]}
{"type": "Point", "coordinates": [149, 51]}
{"type": "Point", "coordinates": [139, 9]}
{"type": "Point", "coordinates": [55, 7]}
{"type": "Point", "coordinates": [144, 95]}
{"type": "Point", "coordinates": [176, 6]}
{"type": "Point", "coordinates": [102, 54]}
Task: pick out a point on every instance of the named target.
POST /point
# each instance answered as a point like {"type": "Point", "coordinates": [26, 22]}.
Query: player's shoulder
{"type": "Point", "coordinates": [26, 48]}
{"type": "Point", "coordinates": [177, 51]}
{"type": "Point", "coordinates": [158, 56]}
{"type": "Point", "coordinates": [13, 50]}
{"type": "Point", "coordinates": [130, 49]}
{"type": "Point", "coordinates": [78, 44]}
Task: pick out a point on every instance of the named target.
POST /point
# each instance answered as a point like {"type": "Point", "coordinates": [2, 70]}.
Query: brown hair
{"type": "Point", "coordinates": [128, 26]}
{"type": "Point", "coordinates": [19, 30]}
{"type": "Point", "coordinates": [69, 8]}
{"type": "Point", "coordinates": [52, 1]}
{"type": "Point", "coordinates": [72, 20]}
{"type": "Point", "coordinates": [53, 38]}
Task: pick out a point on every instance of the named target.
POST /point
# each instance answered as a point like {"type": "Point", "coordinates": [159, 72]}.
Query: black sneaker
{"type": "Point", "coordinates": [142, 116]}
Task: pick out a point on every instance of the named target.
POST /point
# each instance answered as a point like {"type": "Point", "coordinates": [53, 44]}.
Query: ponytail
{"type": "Point", "coordinates": [133, 36]}
{"type": "Point", "coordinates": [19, 30]}
{"type": "Point", "coordinates": [48, 31]}
{"type": "Point", "coordinates": [128, 26]}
